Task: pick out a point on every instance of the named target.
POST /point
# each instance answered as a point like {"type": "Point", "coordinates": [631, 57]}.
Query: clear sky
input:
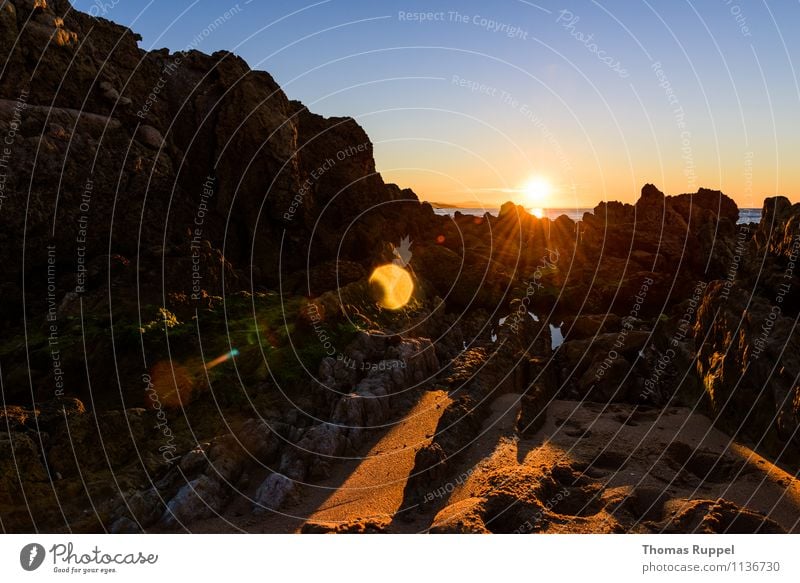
{"type": "Point", "coordinates": [475, 99]}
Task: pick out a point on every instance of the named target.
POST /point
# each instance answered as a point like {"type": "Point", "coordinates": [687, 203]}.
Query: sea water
{"type": "Point", "coordinates": [746, 215]}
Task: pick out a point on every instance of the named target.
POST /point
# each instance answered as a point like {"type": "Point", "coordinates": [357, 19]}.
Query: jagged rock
{"type": "Point", "coordinates": [146, 506]}
{"type": "Point", "coordinates": [325, 440]}
{"type": "Point", "coordinates": [349, 411]}
{"type": "Point", "coordinates": [272, 493]}
{"type": "Point", "coordinates": [587, 326]}
{"type": "Point", "coordinates": [226, 459]}
{"type": "Point", "coordinates": [194, 462]}
{"type": "Point", "coordinates": [601, 362]}
{"type": "Point", "coordinates": [259, 440]}
{"type": "Point", "coordinates": [746, 344]}
{"type": "Point", "coordinates": [533, 409]}
{"type": "Point", "coordinates": [202, 497]}
{"type": "Point", "coordinates": [651, 204]}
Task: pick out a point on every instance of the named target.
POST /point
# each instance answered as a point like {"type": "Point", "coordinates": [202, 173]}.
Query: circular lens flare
{"type": "Point", "coordinates": [393, 285]}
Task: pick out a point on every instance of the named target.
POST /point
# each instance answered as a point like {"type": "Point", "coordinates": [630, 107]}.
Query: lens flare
{"type": "Point", "coordinates": [220, 359]}
{"type": "Point", "coordinates": [170, 386]}
{"type": "Point", "coordinates": [393, 286]}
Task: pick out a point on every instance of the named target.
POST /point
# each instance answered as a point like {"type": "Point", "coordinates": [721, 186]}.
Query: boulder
{"type": "Point", "coordinates": [272, 493]}
{"type": "Point", "coordinates": [200, 498]}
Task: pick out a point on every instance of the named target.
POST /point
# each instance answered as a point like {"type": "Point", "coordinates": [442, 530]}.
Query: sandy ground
{"type": "Point", "coordinates": [621, 448]}
{"type": "Point", "coordinates": [674, 451]}
{"type": "Point", "coordinates": [375, 486]}
{"type": "Point", "coordinates": [369, 485]}
{"type": "Point", "coordinates": [649, 447]}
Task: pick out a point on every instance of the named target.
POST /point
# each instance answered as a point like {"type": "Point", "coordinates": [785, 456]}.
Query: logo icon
{"type": "Point", "coordinates": [31, 556]}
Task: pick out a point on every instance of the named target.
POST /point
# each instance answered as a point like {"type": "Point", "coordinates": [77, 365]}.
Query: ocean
{"type": "Point", "coordinates": [747, 215]}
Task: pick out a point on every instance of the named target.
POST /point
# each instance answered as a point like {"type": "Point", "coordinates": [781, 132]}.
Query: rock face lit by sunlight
{"type": "Point", "coordinates": [393, 286]}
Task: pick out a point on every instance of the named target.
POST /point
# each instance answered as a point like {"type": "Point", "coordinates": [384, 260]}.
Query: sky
{"type": "Point", "coordinates": [550, 104]}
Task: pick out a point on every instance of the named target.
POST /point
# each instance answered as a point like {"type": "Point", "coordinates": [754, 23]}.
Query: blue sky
{"type": "Point", "coordinates": [460, 108]}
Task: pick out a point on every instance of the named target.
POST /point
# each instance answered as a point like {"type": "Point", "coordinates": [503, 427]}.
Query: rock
{"type": "Point", "coordinates": [7, 8]}
{"type": "Point", "coordinates": [480, 283]}
{"type": "Point", "coordinates": [227, 459]}
{"type": "Point", "coordinates": [533, 409]}
{"type": "Point", "coordinates": [33, 5]}
{"type": "Point", "coordinates": [713, 201]}
{"type": "Point", "coordinates": [259, 440]}
{"type": "Point", "coordinates": [146, 507]}
{"type": "Point", "coordinates": [294, 464]}
{"type": "Point", "coordinates": [324, 440]}
{"type": "Point", "coordinates": [779, 228]}
{"type": "Point", "coordinates": [161, 89]}
{"type": "Point", "coordinates": [20, 460]}
{"type": "Point", "coordinates": [605, 379]}
{"type": "Point", "coordinates": [149, 135]}
{"type": "Point", "coordinates": [651, 205]}
{"type": "Point", "coordinates": [614, 213]}
{"type": "Point", "coordinates": [430, 472]}
{"type": "Point", "coordinates": [193, 462]}
{"type": "Point", "coordinates": [117, 431]}
{"type": "Point", "coordinates": [124, 526]}
{"type": "Point", "coordinates": [588, 359]}
{"type": "Point", "coordinates": [587, 326]}
{"type": "Point", "coordinates": [203, 497]}
{"type": "Point", "coordinates": [272, 493]}
{"type": "Point", "coordinates": [349, 411]}
{"type": "Point", "coordinates": [50, 20]}
{"type": "Point", "coordinates": [746, 343]}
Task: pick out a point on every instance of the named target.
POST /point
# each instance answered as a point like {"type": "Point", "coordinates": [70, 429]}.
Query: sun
{"type": "Point", "coordinates": [537, 191]}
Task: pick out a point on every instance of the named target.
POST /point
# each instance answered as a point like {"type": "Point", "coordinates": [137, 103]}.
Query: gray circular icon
{"type": "Point", "coordinates": [31, 556]}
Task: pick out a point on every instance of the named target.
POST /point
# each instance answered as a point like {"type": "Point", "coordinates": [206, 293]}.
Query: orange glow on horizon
{"type": "Point", "coordinates": [586, 188]}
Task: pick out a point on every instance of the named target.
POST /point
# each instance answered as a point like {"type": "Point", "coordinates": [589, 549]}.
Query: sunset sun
{"type": "Point", "coordinates": [537, 191]}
